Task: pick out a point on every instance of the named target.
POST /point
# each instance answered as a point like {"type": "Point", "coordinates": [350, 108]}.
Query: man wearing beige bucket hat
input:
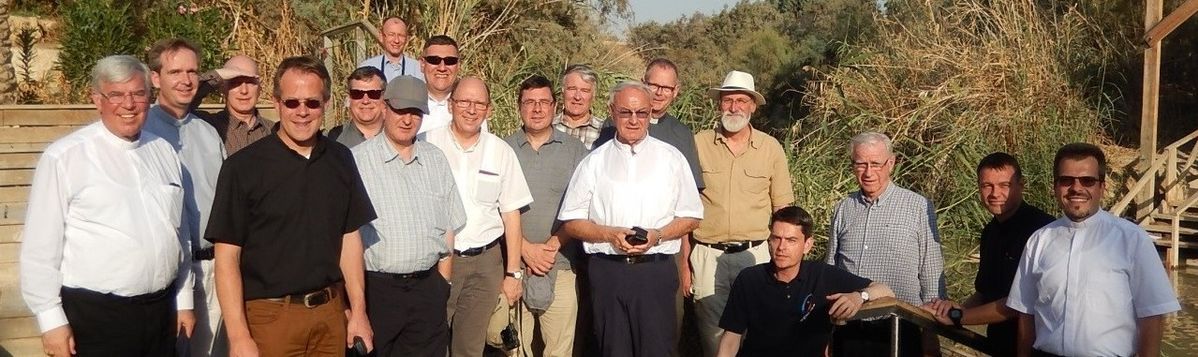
{"type": "Point", "coordinates": [238, 124]}
{"type": "Point", "coordinates": [747, 180]}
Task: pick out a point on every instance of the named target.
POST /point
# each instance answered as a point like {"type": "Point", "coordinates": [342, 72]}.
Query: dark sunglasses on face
{"type": "Point", "coordinates": [295, 103]}
{"type": "Point", "coordinates": [373, 94]}
{"type": "Point", "coordinates": [436, 60]}
{"type": "Point", "coordinates": [1068, 181]}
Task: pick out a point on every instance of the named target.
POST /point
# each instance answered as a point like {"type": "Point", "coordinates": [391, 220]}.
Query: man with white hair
{"type": "Point", "coordinates": [629, 201]}
{"type": "Point", "coordinates": [887, 234]}
{"type": "Point", "coordinates": [579, 83]}
{"type": "Point", "coordinates": [748, 179]}
{"type": "Point", "coordinates": [105, 263]}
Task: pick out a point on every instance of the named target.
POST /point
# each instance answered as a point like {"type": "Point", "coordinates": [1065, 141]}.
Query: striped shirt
{"type": "Point", "coordinates": [235, 133]}
{"type": "Point", "coordinates": [587, 133]}
{"type": "Point", "coordinates": [892, 240]}
{"type": "Point", "coordinates": [417, 204]}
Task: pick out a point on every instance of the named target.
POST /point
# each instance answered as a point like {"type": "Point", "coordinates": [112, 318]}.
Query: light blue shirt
{"type": "Point", "coordinates": [407, 66]}
{"type": "Point", "coordinates": [200, 153]}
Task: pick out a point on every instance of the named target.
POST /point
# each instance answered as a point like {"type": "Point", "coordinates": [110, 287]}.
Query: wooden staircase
{"type": "Point", "coordinates": [1165, 196]}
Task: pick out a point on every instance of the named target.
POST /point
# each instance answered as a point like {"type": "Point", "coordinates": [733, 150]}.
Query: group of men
{"type": "Point", "coordinates": [162, 227]}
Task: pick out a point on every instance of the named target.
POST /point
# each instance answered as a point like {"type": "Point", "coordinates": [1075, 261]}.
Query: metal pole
{"type": "Point", "coordinates": [894, 335]}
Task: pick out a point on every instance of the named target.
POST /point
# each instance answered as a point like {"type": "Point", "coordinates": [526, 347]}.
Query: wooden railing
{"type": "Point", "coordinates": [898, 311]}
{"type": "Point", "coordinates": [1171, 197]}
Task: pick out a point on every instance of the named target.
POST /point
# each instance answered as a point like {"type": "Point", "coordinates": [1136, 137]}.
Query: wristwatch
{"type": "Point", "coordinates": [864, 296]}
{"type": "Point", "coordinates": [956, 314]}
{"type": "Point", "coordinates": [518, 275]}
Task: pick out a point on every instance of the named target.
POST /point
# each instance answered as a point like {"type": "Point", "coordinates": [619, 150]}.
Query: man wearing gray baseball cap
{"type": "Point", "coordinates": [408, 247]}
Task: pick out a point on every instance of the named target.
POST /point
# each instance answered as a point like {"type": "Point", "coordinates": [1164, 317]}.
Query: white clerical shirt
{"type": "Point", "coordinates": [644, 186]}
{"type": "Point", "coordinates": [104, 214]}
{"type": "Point", "coordinates": [1087, 282]}
{"type": "Point", "coordinates": [201, 153]}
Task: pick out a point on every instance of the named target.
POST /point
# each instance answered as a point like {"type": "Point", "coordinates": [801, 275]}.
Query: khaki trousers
{"type": "Point", "coordinates": [472, 297]}
{"type": "Point", "coordinates": [556, 325]}
{"type": "Point", "coordinates": [714, 273]}
{"type": "Point", "coordinates": [291, 329]}
{"type": "Point", "coordinates": [209, 339]}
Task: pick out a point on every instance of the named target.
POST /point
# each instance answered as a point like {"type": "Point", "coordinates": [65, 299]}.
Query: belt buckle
{"type": "Point", "coordinates": [309, 299]}
{"type": "Point", "coordinates": [629, 259]}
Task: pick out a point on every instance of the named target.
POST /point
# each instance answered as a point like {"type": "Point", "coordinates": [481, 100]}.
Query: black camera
{"type": "Point", "coordinates": [640, 236]}
{"type": "Point", "coordinates": [511, 338]}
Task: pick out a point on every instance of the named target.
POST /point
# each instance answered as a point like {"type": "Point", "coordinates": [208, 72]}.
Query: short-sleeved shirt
{"type": "Point", "coordinates": [439, 116]}
{"type": "Point", "coordinates": [548, 173]}
{"type": "Point", "coordinates": [742, 190]}
{"type": "Point", "coordinates": [288, 214]}
{"type": "Point", "coordinates": [1001, 246]}
{"type": "Point", "coordinates": [1085, 284]}
{"type": "Point", "coordinates": [769, 313]}
{"type": "Point", "coordinates": [644, 186]}
{"type": "Point", "coordinates": [406, 66]}
{"type": "Point", "coordinates": [489, 180]}
{"type": "Point", "coordinates": [892, 240]}
{"type": "Point", "coordinates": [201, 153]}
{"type": "Point", "coordinates": [588, 133]}
{"type": "Point", "coordinates": [417, 203]}
{"type": "Point", "coordinates": [236, 134]}
{"type": "Point", "coordinates": [670, 130]}
{"type": "Point", "coordinates": [348, 134]}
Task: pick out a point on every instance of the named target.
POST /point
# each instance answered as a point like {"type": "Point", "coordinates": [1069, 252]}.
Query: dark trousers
{"type": "Point", "coordinates": [633, 306]}
{"type": "Point", "coordinates": [872, 338]}
{"type": "Point", "coordinates": [111, 325]}
{"type": "Point", "coordinates": [407, 314]}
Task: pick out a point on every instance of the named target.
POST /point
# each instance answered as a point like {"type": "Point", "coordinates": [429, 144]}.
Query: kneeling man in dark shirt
{"type": "Point", "coordinates": [786, 307]}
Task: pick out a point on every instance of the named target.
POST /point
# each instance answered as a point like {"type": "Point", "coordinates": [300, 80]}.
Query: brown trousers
{"type": "Point", "coordinates": [290, 329]}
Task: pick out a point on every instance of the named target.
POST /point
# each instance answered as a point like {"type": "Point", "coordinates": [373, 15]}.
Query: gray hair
{"type": "Point", "coordinates": [118, 69]}
{"type": "Point", "coordinates": [583, 71]}
{"type": "Point", "coordinates": [620, 87]}
{"type": "Point", "coordinates": [872, 138]}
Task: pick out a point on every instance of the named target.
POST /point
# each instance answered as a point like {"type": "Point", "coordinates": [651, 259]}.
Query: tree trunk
{"type": "Point", "coordinates": [8, 77]}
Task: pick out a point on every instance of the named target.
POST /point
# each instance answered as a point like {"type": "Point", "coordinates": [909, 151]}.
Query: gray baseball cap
{"type": "Point", "coordinates": [406, 92]}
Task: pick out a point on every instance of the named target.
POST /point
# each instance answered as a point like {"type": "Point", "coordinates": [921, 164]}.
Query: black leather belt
{"type": "Point", "coordinates": [478, 250]}
{"type": "Point", "coordinates": [733, 247]}
{"type": "Point", "coordinates": [204, 254]}
{"type": "Point", "coordinates": [406, 276]}
{"type": "Point", "coordinates": [312, 299]}
{"type": "Point", "coordinates": [636, 259]}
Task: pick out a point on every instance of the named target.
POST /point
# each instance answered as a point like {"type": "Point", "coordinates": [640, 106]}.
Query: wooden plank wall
{"type": "Point", "coordinates": [24, 132]}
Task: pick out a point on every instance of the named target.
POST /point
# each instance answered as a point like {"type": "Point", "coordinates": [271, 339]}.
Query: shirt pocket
{"type": "Point", "coordinates": [169, 198]}
{"type": "Point", "coordinates": [755, 181]}
{"type": "Point", "coordinates": [488, 187]}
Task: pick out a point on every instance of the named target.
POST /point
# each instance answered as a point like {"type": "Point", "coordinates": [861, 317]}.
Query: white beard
{"type": "Point", "coordinates": [734, 122]}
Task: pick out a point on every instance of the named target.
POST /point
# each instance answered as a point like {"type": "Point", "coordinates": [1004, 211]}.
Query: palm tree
{"type": "Point", "coordinates": [8, 77]}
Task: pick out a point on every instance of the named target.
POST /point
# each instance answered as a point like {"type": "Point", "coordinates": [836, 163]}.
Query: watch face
{"type": "Point", "coordinates": [955, 313]}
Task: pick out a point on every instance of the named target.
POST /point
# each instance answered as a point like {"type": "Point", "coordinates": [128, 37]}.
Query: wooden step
{"type": "Point", "coordinates": [18, 327]}
{"type": "Point", "coordinates": [9, 274]}
{"type": "Point", "coordinates": [10, 148]}
{"type": "Point", "coordinates": [18, 177]}
{"type": "Point", "coordinates": [1166, 242]}
{"type": "Point", "coordinates": [1167, 229]}
{"type": "Point", "coordinates": [11, 303]}
{"type": "Point", "coordinates": [10, 252]}
{"type": "Point", "coordinates": [1168, 218]}
{"type": "Point", "coordinates": [19, 160]}
{"type": "Point", "coordinates": [10, 234]}
{"type": "Point", "coordinates": [14, 194]}
{"type": "Point", "coordinates": [34, 134]}
{"type": "Point", "coordinates": [22, 347]}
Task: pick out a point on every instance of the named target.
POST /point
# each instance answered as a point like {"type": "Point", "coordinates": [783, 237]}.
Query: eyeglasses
{"type": "Point", "coordinates": [436, 60]}
{"type": "Point", "coordinates": [862, 166]}
{"type": "Point", "coordinates": [118, 97]}
{"type": "Point", "coordinates": [537, 103]}
{"type": "Point", "coordinates": [657, 87]}
{"type": "Point", "coordinates": [625, 114]}
{"type": "Point", "coordinates": [806, 308]}
{"type": "Point", "coordinates": [736, 101]}
{"type": "Point", "coordinates": [373, 94]}
{"type": "Point", "coordinates": [463, 104]}
{"type": "Point", "coordinates": [1069, 181]}
{"type": "Point", "coordinates": [295, 103]}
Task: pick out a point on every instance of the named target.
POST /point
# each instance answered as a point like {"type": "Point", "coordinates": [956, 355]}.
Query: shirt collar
{"type": "Point", "coordinates": [388, 153]}
{"type": "Point", "coordinates": [555, 136]}
{"type": "Point", "coordinates": [434, 101]}
{"type": "Point", "coordinates": [771, 269]}
{"type": "Point", "coordinates": [754, 137]}
{"type": "Point", "coordinates": [886, 193]}
{"type": "Point", "coordinates": [595, 121]}
{"type": "Point", "coordinates": [255, 121]}
{"type": "Point", "coordinates": [121, 143]}
{"type": "Point", "coordinates": [317, 151]}
{"type": "Point", "coordinates": [1091, 221]}
{"type": "Point", "coordinates": [166, 117]}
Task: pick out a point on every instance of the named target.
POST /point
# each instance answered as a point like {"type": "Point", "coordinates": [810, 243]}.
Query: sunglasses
{"type": "Point", "coordinates": [295, 103]}
{"type": "Point", "coordinates": [1069, 181]}
{"type": "Point", "coordinates": [373, 94]}
{"type": "Point", "coordinates": [436, 60]}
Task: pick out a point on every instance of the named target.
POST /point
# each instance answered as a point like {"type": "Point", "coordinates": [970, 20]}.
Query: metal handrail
{"type": "Point", "coordinates": [897, 310]}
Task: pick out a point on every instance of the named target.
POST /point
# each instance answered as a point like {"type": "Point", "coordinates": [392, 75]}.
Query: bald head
{"type": "Point", "coordinates": [471, 83]}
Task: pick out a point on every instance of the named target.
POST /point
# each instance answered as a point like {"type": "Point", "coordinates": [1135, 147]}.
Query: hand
{"type": "Point", "coordinates": [243, 347]}
{"type": "Point", "coordinates": [186, 323]}
{"type": "Point", "coordinates": [652, 236]}
{"type": "Point", "coordinates": [512, 289]}
{"type": "Point", "coordinates": [615, 236]}
{"type": "Point", "coordinates": [939, 309]}
{"type": "Point", "coordinates": [844, 305]}
{"type": "Point", "coordinates": [538, 257]}
{"type": "Point", "coordinates": [359, 326]}
{"type": "Point", "coordinates": [686, 282]}
{"type": "Point", "coordinates": [59, 341]}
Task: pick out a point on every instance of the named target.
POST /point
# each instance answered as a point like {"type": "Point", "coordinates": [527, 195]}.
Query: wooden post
{"type": "Point", "coordinates": [1172, 189]}
{"type": "Point", "coordinates": [1154, 10]}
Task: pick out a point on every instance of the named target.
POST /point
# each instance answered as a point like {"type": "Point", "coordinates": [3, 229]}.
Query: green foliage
{"type": "Point", "coordinates": [93, 29]}
{"type": "Point", "coordinates": [204, 28]}
{"type": "Point", "coordinates": [27, 38]}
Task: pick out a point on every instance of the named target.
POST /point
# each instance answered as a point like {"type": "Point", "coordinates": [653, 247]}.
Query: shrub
{"type": "Point", "coordinates": [93, 29]}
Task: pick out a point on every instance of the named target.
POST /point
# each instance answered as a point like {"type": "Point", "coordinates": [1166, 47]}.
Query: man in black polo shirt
{"type": "Point", "coordinates": [786, 307]}
{"type": "Point", "coordinates": [1000, 188]}
{"type": "Point", "coordinates": [285, 225]}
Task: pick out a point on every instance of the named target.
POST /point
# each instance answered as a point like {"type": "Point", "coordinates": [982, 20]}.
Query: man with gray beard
{"type": "Point", "coordinates": [747, 180]}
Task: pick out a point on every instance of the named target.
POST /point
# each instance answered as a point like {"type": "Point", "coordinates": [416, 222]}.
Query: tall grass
{"type": "Point", "coordinates": [951, 81]}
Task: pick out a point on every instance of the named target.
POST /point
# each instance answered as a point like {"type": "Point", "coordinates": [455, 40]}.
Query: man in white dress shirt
{"type": "Point", "coordinates": [1089, 283]}
{"type": "Point", "coordinates": [174, 71]}
{"type": "Point", "coordinates": [104, 263]}
{"type": "Point", "coordinates": [491, 185]}
{"type": "Point", "coordinates": [634, 186]}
